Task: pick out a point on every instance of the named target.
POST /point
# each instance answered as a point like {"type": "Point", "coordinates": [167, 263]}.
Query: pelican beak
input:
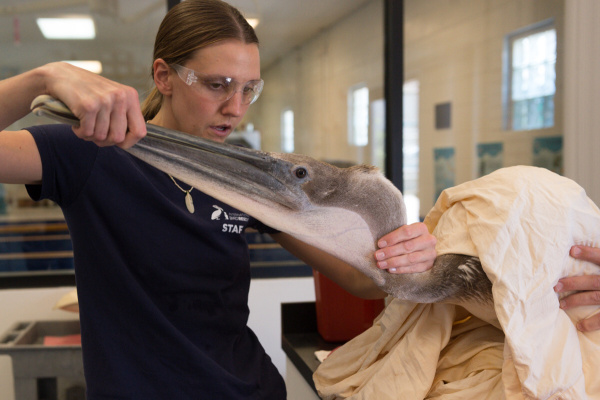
{"type": "Point", "coordinates": [200, 162]}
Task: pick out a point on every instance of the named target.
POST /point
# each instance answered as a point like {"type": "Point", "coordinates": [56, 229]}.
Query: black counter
{"type": "Point", "coordinates": [300, 338]}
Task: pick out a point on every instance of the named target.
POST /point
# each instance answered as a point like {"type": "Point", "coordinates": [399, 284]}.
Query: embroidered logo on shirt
{"type": "Point", "coordinates": [220, 214]}
{"type": "Point", "coordinates": [216, 215]}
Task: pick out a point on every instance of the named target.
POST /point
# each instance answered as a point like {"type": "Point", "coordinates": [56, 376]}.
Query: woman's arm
{"type": "Point", "coordinates": [109, 113]}
{"type": "Point", "coordinates": [352, 280]}
{"type": "Point", "coordinates": [409, 248]}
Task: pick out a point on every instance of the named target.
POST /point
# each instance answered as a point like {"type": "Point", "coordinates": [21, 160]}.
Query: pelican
{"type": "Point", "coordinates": [342, 211]}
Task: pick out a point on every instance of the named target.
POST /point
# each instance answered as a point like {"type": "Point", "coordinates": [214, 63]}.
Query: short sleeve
{"type": "Point", "coordinates": [67, 162]}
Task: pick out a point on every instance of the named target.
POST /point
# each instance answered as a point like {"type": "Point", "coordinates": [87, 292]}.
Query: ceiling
{"type": "Point", "coordinates": [126, 30]}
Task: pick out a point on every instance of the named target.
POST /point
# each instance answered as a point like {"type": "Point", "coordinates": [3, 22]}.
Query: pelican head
{"type": "Point", "coordinates": [343, 211]}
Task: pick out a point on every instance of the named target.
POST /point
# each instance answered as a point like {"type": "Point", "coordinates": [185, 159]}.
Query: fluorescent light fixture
{"type": "Point", "coordinates": [67, 28]}
{"type": "Point", "coordinates": [253, 22]}
{"type": "Point", "coordinates": [91, 65]}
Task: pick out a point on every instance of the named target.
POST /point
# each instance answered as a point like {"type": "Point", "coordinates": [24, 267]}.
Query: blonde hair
{"type": "Point", "coordinates": [190, 26]}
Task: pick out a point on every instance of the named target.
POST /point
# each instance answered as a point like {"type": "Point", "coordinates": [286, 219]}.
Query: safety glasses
{"type": "Point", "coordinates": [219, 88]}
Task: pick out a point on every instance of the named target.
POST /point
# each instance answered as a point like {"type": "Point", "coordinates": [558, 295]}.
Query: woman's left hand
{"type": "Point", "coordinates": [588, 285]}
{"type": "Point", "coordinates": [410, 248]}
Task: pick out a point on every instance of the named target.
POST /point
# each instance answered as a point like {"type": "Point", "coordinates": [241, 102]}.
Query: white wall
{"type": "Point", "coordinates": [455, 49]}
{"type": "Point", "coordinates": [266, 296]}
{"type": "Point", "coordinates": [582, 95]}
{"type": "Point", "coordinates": [313, 80]}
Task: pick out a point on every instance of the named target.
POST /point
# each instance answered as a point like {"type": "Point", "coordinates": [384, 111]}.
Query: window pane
{"type": "Point", "coordinates": [287, 131]}
{"type": "Point", "coordinates": [533, 77]}
{"type": "Point", "coordinates": [359, 116]}
{"type": "Point", "coordinates": [549, 111]}
{"type": "Point", "coordinates": [410, 150]}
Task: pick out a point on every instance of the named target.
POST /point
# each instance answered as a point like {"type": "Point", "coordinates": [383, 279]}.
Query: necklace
{"type": "Point", "coordinates": [189, 202]}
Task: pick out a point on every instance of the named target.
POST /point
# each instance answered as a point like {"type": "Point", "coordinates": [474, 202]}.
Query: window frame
{"type": "Point", "coordinates": [507, 73]}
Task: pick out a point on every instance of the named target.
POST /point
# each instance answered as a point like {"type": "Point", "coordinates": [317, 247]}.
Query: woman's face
{"type": "Point", "coordinates": [195, 109]}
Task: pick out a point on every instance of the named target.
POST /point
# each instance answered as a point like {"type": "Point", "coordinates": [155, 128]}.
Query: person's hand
{"type": "Point", "coordinates": [410, 248]}
{"type": "Point", "coordinates": [109, 112]}
{"type": "Point", "coordinates": [589, 285]}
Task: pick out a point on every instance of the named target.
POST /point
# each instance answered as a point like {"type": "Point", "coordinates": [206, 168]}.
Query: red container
{"type": "Point", "coordinates": [340, 315]}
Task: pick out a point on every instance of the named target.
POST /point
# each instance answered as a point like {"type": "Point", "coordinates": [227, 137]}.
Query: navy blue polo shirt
{"type": "Point", "coordinates": [163, 294]}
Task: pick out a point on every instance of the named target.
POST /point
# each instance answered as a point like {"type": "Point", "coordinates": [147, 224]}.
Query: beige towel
{"type": "Point", "coordinates": [521, 222]}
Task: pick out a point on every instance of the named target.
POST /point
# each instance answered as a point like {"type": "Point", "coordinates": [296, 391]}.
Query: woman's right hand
{"type": "Point", "coordinates": [587, 288]}
{"type": "Point", "coordinates": [408, 249]}
{"type": "Point", "coordinates": [109, 112]}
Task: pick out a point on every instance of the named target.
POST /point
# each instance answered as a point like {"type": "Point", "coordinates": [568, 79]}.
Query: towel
{"type": "Point", "coordinates": [521, 222]}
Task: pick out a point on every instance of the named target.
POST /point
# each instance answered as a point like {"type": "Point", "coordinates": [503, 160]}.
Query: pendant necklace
{"type": "Point", "coordinates": [189, 202]}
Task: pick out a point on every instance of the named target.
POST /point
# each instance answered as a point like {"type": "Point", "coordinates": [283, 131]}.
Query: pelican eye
{"type": "Point", "coordinates": [301, 172]}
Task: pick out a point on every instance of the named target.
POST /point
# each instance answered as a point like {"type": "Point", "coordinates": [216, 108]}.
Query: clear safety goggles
{"type": "Point", "coordinates": [219, 88]}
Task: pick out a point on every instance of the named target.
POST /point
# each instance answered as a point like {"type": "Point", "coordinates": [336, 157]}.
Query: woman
{"type": "Point", "coordinates": [163, 291]}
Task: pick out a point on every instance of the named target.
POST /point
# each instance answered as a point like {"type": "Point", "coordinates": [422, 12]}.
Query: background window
{"type": "Point", "coordinates": [358, 116]}
{"type": "Point", "coordinates": [410, 149]}
{"type": "Point", "coordinates": [287, 131]}
{"type": "Point", "coordinates": [531, 77]}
